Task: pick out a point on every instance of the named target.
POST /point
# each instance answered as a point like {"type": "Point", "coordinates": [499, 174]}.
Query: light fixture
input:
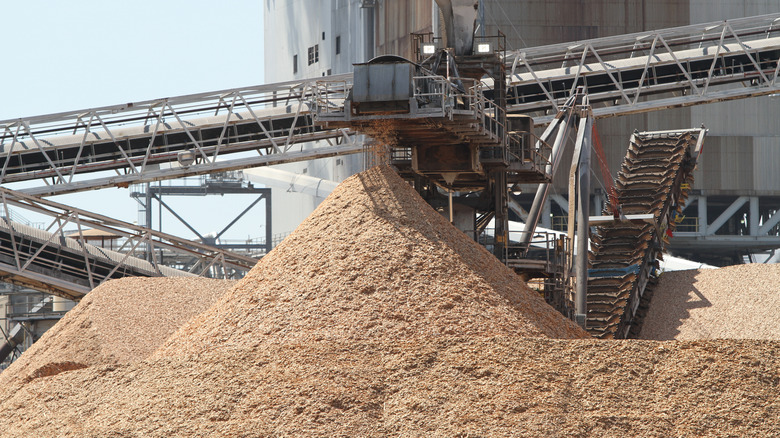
{"type": "Point", "coordinates": [483, 48]}
{"type": "Point", "coordinates": [515, 189]}
{"type": "Point", "coordinates": [428, 48]}
{"type": "Point", "coordinates": [185, 158]}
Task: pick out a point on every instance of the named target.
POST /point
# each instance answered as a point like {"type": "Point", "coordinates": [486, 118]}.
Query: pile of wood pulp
{"type": "Point", "coordinates": [735, 302]}
{"type": "Point", "coordinates": [376, 318]}
{"type": "Point", "coordinates": [121, 321]}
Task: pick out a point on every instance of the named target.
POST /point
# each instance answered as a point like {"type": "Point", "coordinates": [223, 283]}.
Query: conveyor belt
{"type": "Point", "coordinates": [654, 178]}
{"type": "Point", "coordinates": [626, 74]}
{"type": "Point", "coordinates": [59, 267]}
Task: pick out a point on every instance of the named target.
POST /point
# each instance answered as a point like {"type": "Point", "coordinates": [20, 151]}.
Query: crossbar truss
{"type": "Point", "coordinates": [60, 260]}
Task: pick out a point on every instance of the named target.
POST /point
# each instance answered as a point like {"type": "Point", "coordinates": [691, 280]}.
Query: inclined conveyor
{"type": "Point", "coordinates": [58, 262]}
{"type": "Point", "coordinates": [654, 178]}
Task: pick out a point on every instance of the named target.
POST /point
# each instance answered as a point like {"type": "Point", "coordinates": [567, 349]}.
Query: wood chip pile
{"type": "Point", "coordinates": [377, 318]}
{"type": "Point", "coordinates": [373, 261]}
{"type": "Point", "coordinates": [121, 321]}
{"type": "Point", "coordinates": [446, 386]}
{"type": "Point", "coordinates": [735, 302]}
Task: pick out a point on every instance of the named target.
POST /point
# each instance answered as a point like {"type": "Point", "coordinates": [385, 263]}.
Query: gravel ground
{"type": "Point", "coordinates": [442, 387]}
{"type": "Point", "coordinates": [735, 302]}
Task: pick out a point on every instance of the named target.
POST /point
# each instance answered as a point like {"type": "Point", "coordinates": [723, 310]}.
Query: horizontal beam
{"type": "Point", "coordinates": [200, 169]}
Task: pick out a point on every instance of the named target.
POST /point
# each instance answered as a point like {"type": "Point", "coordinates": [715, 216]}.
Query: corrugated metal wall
{"type": "Point", "coordinates": [530, 23]}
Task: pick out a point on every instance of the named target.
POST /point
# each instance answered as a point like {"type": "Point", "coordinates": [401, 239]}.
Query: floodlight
{"type": "Point", "coordinates": [428, 49]}
{"type": "Point", "coordinates": [483, 48]}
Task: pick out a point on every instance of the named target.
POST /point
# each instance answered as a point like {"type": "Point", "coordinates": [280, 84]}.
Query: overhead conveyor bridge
{"type": "Point", "coordinates": [187, 135]}
{"type": "Point", "coordinates": [649, 71]}
{"type": "Point", "coordinates": [59, 259]}
{"type": "Point", "coordinates": [272, 124]}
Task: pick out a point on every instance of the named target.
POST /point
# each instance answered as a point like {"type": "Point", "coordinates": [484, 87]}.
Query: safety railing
{"type": "Point", "coordinates": [330, 96]}
{"type": "Point", "coordinates": [688, 225]}
{"type": "Point", "coordinates": [524, 151]}
{"type": "Point", "coordinates": [400, 155]}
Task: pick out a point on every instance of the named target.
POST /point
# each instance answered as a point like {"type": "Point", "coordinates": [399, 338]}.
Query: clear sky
{"type": "Point", "coordinates": [65, 55]}
{"type": "Point", "coordinates": [76, 54]}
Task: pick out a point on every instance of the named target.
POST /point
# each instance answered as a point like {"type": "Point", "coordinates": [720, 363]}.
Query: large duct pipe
{"type": "Point", "coordinates": [460, 17]}
{"type": "Point", "coordinates": [290, 181]}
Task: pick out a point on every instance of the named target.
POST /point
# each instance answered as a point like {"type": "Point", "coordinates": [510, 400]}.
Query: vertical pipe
{"type": "Point", "coordinates": [148, 219]}
{"type": "Point", "coordinates": [268, 231]}
{"type": "Point", "coordinates": [435, 28]}
{"type": "Point", "coordinates": [753, 217]}
{"type": "Point", "coordinates": [583, 227]}
{"type": "Point", "coordinates": [368, 40]}
{"type": "Point", "coordinates": [449, 192]}
{"type": "Point", "coordinates": [501, 218]}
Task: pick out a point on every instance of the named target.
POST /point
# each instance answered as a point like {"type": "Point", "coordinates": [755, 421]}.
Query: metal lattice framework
{"type": "Point", "coordinates": [166, 138]}
{"type": "Point", "coordinates": [650, 71]}
{"type": "Point", "coordinates": [271, 124]}
{"type": "Point", "coordinates": [67, 265]}
{"type": "Point", "coordinates": [626, 74]}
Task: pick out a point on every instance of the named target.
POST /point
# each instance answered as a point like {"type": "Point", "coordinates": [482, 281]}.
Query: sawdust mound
{"type": "Point", "coordinates": [376, 318]}
{"type": "Point", "coordinates": [506, 386]}
{"type": "Point", "coordinates": [374, 261]}
{"type": "Point", "coordinates": [735, 302]}
{"type": "Point", "coordinates": [121, 321]}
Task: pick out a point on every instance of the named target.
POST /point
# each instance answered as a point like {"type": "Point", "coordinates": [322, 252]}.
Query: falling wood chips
{"type": "Point", "coordinates": [735, 302]}
{"type": "Point", "coordinates": [377, 318]}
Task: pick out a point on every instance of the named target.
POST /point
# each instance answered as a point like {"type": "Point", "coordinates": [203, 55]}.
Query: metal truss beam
{"type": "Point", "coordinates": [650, 71]}
{"type": "Point", "coordinates": [192, 133]}
{"type": "Point", "coordinates": [51, 261]}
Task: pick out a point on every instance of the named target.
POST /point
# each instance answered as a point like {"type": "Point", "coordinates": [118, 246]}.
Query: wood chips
{"type": "Point", "coordinates": [378, 318]}
{"type": "Point", "coordinates": [735, 302]}
{"type": "Point", "coordinates": [120, 321]}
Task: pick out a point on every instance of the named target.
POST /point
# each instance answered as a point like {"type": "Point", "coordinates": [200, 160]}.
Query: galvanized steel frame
{"type": "Point", "coordinates": [136, 243]}
{"type": "Point", "coordinates": [575, 63]}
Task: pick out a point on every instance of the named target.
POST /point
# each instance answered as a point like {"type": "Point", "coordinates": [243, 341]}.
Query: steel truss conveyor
{"type": "Point", "coordinates": [166, 138]}
{"type": "Point", "coordinates": [654, 178]}
{"type": "Point", "coordinates": [649, 71]}
{"type": "Point", "coordinates": [204, 133]}
{"type": "Point", "coordinates": [58, 259]}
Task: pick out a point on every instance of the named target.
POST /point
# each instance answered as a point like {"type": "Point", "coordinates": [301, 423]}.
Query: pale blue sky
{"type": "Point", "coordinates": [65, 55]}
{"type": "Point", "coordinates": [78, 54]}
